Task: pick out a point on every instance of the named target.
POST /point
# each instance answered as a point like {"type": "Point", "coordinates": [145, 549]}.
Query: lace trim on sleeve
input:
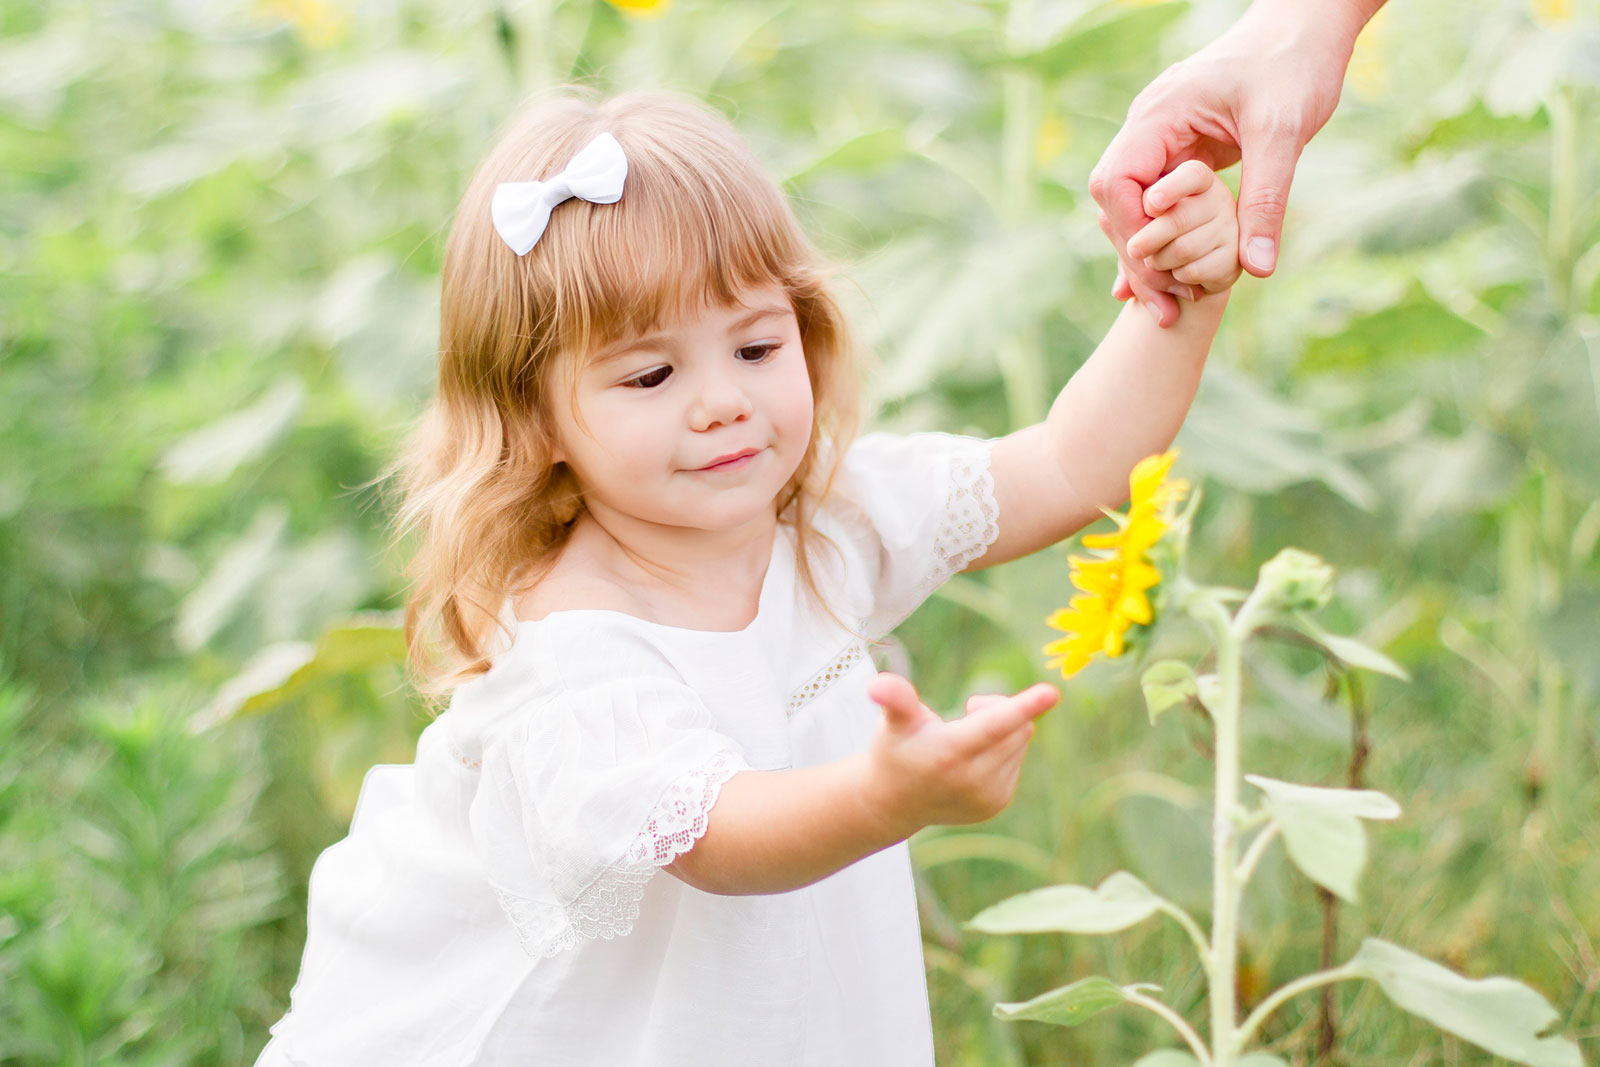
{"type": "Point", "coordinates": [609, 906]}
{"type": "Point", "coordinates": [971, 519]}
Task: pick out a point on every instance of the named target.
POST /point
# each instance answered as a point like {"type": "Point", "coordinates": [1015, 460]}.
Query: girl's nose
{"type": "Point", "coordinates": [719, 401]}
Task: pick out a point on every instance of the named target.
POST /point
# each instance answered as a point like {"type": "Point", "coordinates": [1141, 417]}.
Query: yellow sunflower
{"type": "Point", "coordinates": [1115, 583]}
{"type": "Point", "coordinates": [642, 8]}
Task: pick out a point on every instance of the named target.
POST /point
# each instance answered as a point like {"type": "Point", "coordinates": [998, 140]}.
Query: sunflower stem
{"type": "Point", "coordinates": [1229, 633]}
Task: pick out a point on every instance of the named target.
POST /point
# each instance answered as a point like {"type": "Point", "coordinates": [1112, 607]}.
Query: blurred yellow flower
{"type": "Point", "coordinates": [1368, 71]}
{"type": "Point", "coordinates": [1115, 584]}
{"type": "Point", "coordinates": [641, 8]}
{"type": "Point", "coordinates": [1553, 11]}
{"type": "Point", "coordinates": [1051, 140]}
{"type": "Point", "coordinates": [319, 23]}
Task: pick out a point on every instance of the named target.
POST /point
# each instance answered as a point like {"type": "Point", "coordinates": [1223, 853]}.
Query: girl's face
{"type": "Point", "coordinates": [662, 414]}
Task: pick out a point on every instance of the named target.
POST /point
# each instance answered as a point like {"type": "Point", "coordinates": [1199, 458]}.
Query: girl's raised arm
{"type": "Point", "coordinates": [1128, 400]}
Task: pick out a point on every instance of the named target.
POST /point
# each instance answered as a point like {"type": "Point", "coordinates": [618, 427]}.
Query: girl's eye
{"type": "Point", "coordinates": [650, 378]}
{"type": "Point", "coordinates": [757, 353]}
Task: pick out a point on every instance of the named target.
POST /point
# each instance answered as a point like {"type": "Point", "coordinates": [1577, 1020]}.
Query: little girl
{"type": "Point", "coordinates": [651, 561]}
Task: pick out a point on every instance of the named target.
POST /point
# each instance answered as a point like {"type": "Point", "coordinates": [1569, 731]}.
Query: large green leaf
{"type": "Point", "coordinates": [1418, 327]}
{"type": "Point", "coordinates": [232, 578]}
{"type": "Point", "coordinates": [1322, 828]}
{"type": "Point", "coordinates": [1447, 476]}
{"type": "Point", "coordinates": [1498, 1014]}
{"type": "Point", "coordinates": [281, 672]}
{"type": "Point", "coordinates": [1071, 1004]}
{"type": "Point", "coordinates": [1111, 36]}
{"type": "Point", "coordinates": [937, 850]}
{"type": "Point", "coordinates": [1118, 903]}
{"type": "Point", "coordinates": [215, 451]}
{"type": "Point", "coordinates": [1247, 438]}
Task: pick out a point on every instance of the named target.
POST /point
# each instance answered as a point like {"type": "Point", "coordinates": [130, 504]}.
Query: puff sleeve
{"type": "Point", "coordinates": [918, 508]}
{"type": "Point", "coordinates": [585, 794]}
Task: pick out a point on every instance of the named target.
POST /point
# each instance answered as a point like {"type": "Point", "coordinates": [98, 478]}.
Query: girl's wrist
{"type": "Point", "coordinates": [883, 808]}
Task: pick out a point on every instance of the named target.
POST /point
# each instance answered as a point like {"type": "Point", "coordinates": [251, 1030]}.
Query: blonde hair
{"type": "Point", "coordinates": [699, 222]}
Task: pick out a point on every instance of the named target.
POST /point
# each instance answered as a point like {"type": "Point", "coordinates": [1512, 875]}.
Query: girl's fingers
{"type": "Point", "coordinates": [1188, 179]}
{"type": "Point", "coordinates": [979, 701]}
{"type": "Point", "coordinates": [1183, 250]}
{"type": "Point", "coordinates": [1215, 270]}
{"type": "Point", "coordinates": [1156, 235]}
{"type": "Point", "coordinates": [994, 723]}
{"type": "Point", "coordinates": [898, 697]}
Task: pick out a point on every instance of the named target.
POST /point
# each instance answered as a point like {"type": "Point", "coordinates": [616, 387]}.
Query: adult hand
{"type": "Point", "coordinates": [1260, 92]}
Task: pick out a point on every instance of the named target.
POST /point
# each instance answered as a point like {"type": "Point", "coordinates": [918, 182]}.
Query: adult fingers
{"type": "Point", "coordinates": [902, 709]}
{"type": "Point", "coordinates": [1271, 149]}
{"type": "Point", "coordinates": [1188, 179]}
{"type": "Point", "coordinates": [1120, 289]}
{"type": "Point", "coordinates": [1157, 302]}
{"type": "Point", "coordinates": [1118, 181]}
{"type": "Point", "coordinates": [1003, 718]}
{"type": "Point", "coordinates": [1133, 160]}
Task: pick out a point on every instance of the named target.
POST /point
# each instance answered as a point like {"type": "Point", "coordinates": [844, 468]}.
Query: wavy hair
{"type": "Point", "coordinates": [700, 222]}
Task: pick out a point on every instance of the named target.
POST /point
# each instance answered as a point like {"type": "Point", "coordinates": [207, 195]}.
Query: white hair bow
{"type": "Point", "coordinates": [521, 210]}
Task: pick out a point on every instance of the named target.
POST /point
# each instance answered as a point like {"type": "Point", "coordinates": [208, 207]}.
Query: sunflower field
{"type": "Point", "coordinates": [221, 227]}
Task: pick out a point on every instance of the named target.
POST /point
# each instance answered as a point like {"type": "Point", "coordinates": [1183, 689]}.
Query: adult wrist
{"type": "Point", "coordinates": [1309, 26]}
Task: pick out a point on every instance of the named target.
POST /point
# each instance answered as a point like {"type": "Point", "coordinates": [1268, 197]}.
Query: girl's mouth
{"type": "Point", "coordinates": [733, 461]}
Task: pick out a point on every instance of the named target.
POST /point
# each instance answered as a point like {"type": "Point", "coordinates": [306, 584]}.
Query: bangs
{"type": "Point", "coordinates": [698, 223]}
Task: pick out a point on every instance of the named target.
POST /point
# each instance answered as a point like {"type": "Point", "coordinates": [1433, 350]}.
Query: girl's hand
{"type": "Point", "coordinates": [1193, 232]}
{"type": "Point", "coordinates": [925, 771]}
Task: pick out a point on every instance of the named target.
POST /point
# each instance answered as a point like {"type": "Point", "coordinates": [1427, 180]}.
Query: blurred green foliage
{"type": "Point", "coordinates": [220, 233]}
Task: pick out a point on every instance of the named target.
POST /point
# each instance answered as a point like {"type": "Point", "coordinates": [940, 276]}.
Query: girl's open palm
{"type": "Point", "coordinates": [1194, 229]}
{"type": "Point", "coordinates": [928, 771]}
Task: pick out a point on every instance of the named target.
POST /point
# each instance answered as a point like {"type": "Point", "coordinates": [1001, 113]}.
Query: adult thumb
{"type": "Point", "coordinates": [1267, 171]}
{"type": "Point", "coordinates": [898, 698]}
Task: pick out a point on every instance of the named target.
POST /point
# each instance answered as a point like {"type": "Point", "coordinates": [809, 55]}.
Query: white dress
{"type": "Point", "coordinates": [498, 901]}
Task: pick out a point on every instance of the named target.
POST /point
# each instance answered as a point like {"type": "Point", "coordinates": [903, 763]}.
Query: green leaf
{"type": "Point", "coordinates": [1071, 1004]}
{"type": "Point", "coordinates": [1167, 1057]}
{"type": "Point", "coordinates": [268, 671]}
{"type": "Point", "coordinates": [232, 578]}
{"type": "Point", "coordinates": [1322, 830]}
{"type": "Point", "coordinates": [1439, 477]}
{"type": "Point", "coordinates": [1498, 1014]}
{"type": "Point", "coordinates": [1113, 36]}
{"type": "Point", "coordinates": [1419, 327]}
{"type": "Point", "coordinates": [1348, 650]}
{"type": "Point", "coordinates": [1166, 685]}
{"type": "Point", "coordinates": [1119, 902]}
{"type": "Point", "coordinates": [1176, 1057]}
{"type": "Point", "coordinates": [282, 671]}
{"type": "Point", "coordinates": [945, 848]}
{"type": "Point", "coordinates": [213, 452]}
{"type": "Point", "coordinates": [1250, 439]}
